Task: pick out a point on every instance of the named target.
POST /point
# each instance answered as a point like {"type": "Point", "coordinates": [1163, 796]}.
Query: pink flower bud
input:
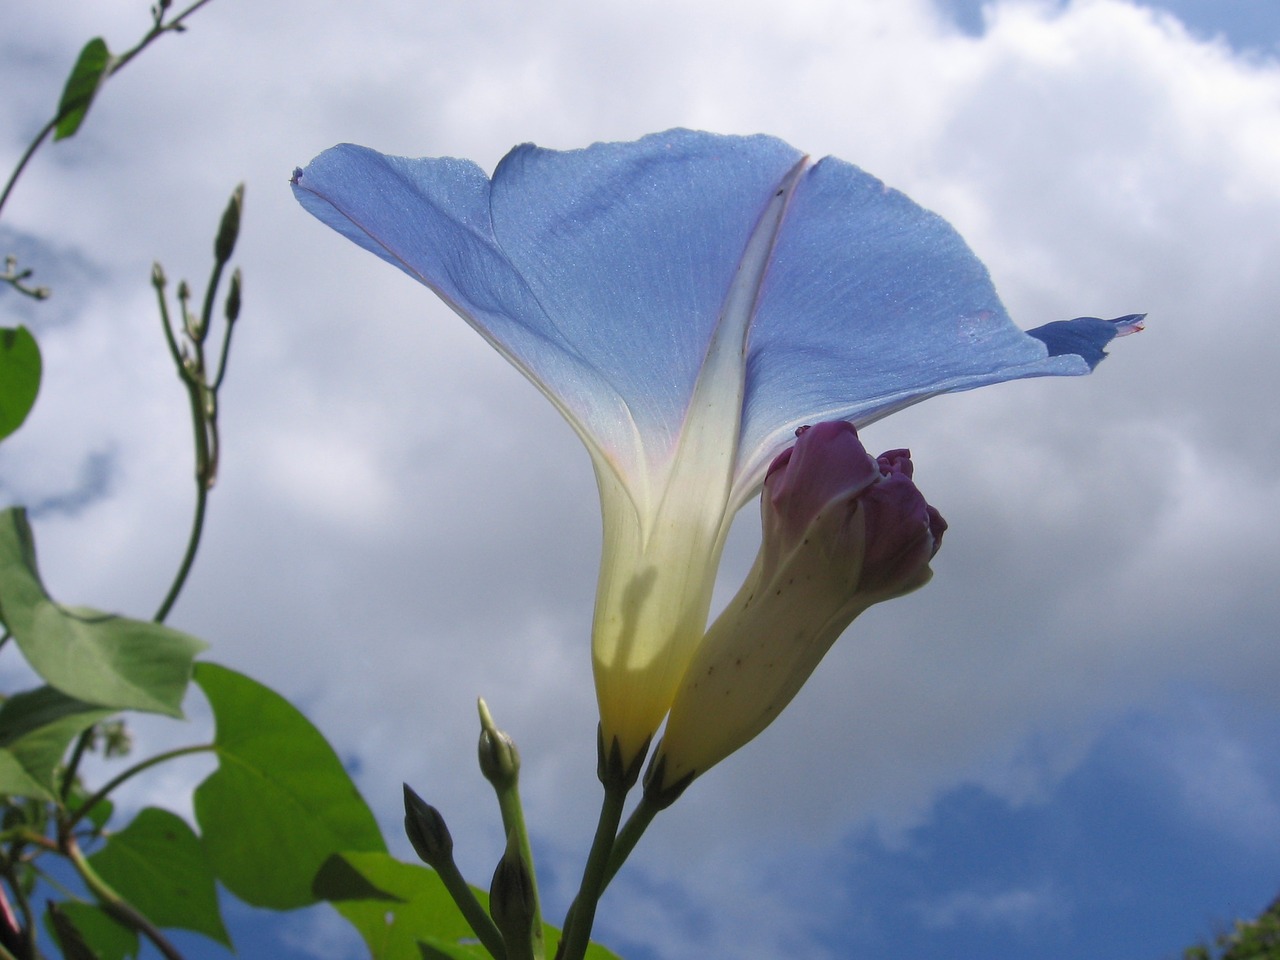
{"type": "Point", "coordinates": [841, 531]}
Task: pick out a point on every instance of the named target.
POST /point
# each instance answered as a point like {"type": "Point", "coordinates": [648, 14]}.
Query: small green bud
{"type": "Point", "coordinates": [499, 758]}
{"type": "Point", "coordinates": [233, 297]}
{"type": "Point", "coordinates": [158, 279]}
{"type": "Point", "coordinates": [229, 229]}
{"type": "Point", "coordinates": [513, 898]}
{"type": "Point", "coordinates": [426, 830]}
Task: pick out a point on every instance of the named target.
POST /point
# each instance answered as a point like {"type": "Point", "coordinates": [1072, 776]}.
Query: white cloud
{"type": "Point", "coordinates": [1019, 907]}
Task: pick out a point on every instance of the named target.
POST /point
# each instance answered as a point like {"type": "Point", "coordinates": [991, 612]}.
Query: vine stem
{"type": "Point", "coordinates": [156, 30]}
{"type": "Point", "coordinates": [81, 811]}
{"type": "Point", "coordinates": [47, 129]}
{"type": "Point", "coordinates": [197, 526]}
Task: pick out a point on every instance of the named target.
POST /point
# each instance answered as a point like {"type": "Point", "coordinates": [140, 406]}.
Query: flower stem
{"type": "Point", "coordinates": [500, 763]}
{"type": "Point", "coordinates": [582, 914]}
{"type": "Point", "coordinates": [475, 915]}
{"type": "Point", "coordinates": [629, 836]}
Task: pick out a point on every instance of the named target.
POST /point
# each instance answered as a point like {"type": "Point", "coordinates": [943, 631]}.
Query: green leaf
{"type": "Point", "coordinates": [280, 802]}
{"type": "Point", "coordinates": [424, 913]}
{"type": "Point", "coordinates": [109, 939]}
{"type": "Point", "coordinates": [92, 68]}
{"type": "Point", "coordinates": [337, 879]}
{"type": "Point", "coordinates": [36, 727]}
{"type": "Point", "coordinates": [158, 864]}
{"type": "Point", "coordinates": [100, 658]}
{"type": "Point", "coordinates": [15, 781]}
{"type": "Point", "coordinates": [420, 921]}
{"type": "Point", "coordinates": [19, 377]}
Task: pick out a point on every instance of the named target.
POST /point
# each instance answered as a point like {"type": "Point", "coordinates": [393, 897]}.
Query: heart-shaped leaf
{"type": "Point", "coordinates": [158, 864]}
{"type": "Point", "coordinates": [19, 377]}
{"type": "Point", "coordinates": [100, 658]}
{"type": "Point", "coordinates": [92, 68]}
{"type": "Point", "coordinates": [280, 803]}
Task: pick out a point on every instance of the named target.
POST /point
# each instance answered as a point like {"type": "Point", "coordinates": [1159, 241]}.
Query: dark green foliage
{"type": "Point", "coordinates": [109, 938]}
{"type": "Point", "coordinates": [158, 864]}
{"type": "Point", "coordinates": [36, 727]}
{"type": "Point", "coordinates": [93, 66]}
{"type": "Point", "coordinates": [422, 920]}
{"type": "Point", "coordinates": [19, 377]}
{"type": "Point", "coordinates": [1249, 940]}
{"type": "Point", "coordinates": [70, 940]}
{"type": "Point", "coordinates": [280, 803]}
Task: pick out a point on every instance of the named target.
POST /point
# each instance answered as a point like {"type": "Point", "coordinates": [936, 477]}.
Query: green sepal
{"type": "Point", "coordinates": [92, 68]}
{"type": "Point", "coordinates": [158, 865]}
{"type": "Point", "coordinates": [513, 900]}
{"type": "Point", "coordinates": [36, 727]}
{"type": "Point", "coordinates": [280, 802]}
{"type": "Point", "coordinates": [110, 939]}
{"type": "Point", "coordinates": [70, 940]}
{"type": "Point", "coordinates": [100, 658]}
{"type": "Point", "coordinates": [20, 369]}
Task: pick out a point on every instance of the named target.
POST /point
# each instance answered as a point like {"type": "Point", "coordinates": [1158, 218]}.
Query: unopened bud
{"type": "Point", "coordinates": [841, 531]}
{"type": "Point", "coordinates": [229, 229]}
{"type": "Point", "coordinates": [499, 758]}
{"type": "Point", "coordinates": [158, 279]}
{"type": "Point", "coordinates": [426, 830]}
{"type": "Point", "coordinates": [513, 898]}
{"type": "Point", "coordinates": [233, 297]}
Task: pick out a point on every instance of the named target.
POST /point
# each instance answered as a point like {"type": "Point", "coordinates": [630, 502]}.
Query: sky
{"type": "Point", "coordinates": [1064, 746]}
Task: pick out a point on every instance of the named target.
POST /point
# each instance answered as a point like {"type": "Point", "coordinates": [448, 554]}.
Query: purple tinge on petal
{"type": "Point", "coordinates": [902, 533]}
{"type": "Point", "coordinates": [826, 463]}
{"type": "Point", "coordinates": [896, 461]}
{"type": "Point", "coordinates": [898, 532]}
{"type": "Point", "coordinates": [1086, 337]}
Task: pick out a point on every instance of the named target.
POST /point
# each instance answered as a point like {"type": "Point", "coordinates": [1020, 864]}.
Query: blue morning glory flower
{"type": "Point", "coordinates": [687, 301]}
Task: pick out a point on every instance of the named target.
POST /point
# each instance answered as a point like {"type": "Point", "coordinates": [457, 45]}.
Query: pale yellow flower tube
{"type": "Point", "coordinates": [841, 531]}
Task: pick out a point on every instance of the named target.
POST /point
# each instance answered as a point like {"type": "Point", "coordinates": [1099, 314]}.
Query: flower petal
{"type": "Point", "coordinates": [600, 273]}
{"type": "Point", "coordinates": [871, 304]}
{"type": "Point", "coordinates": [1085, 336]}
